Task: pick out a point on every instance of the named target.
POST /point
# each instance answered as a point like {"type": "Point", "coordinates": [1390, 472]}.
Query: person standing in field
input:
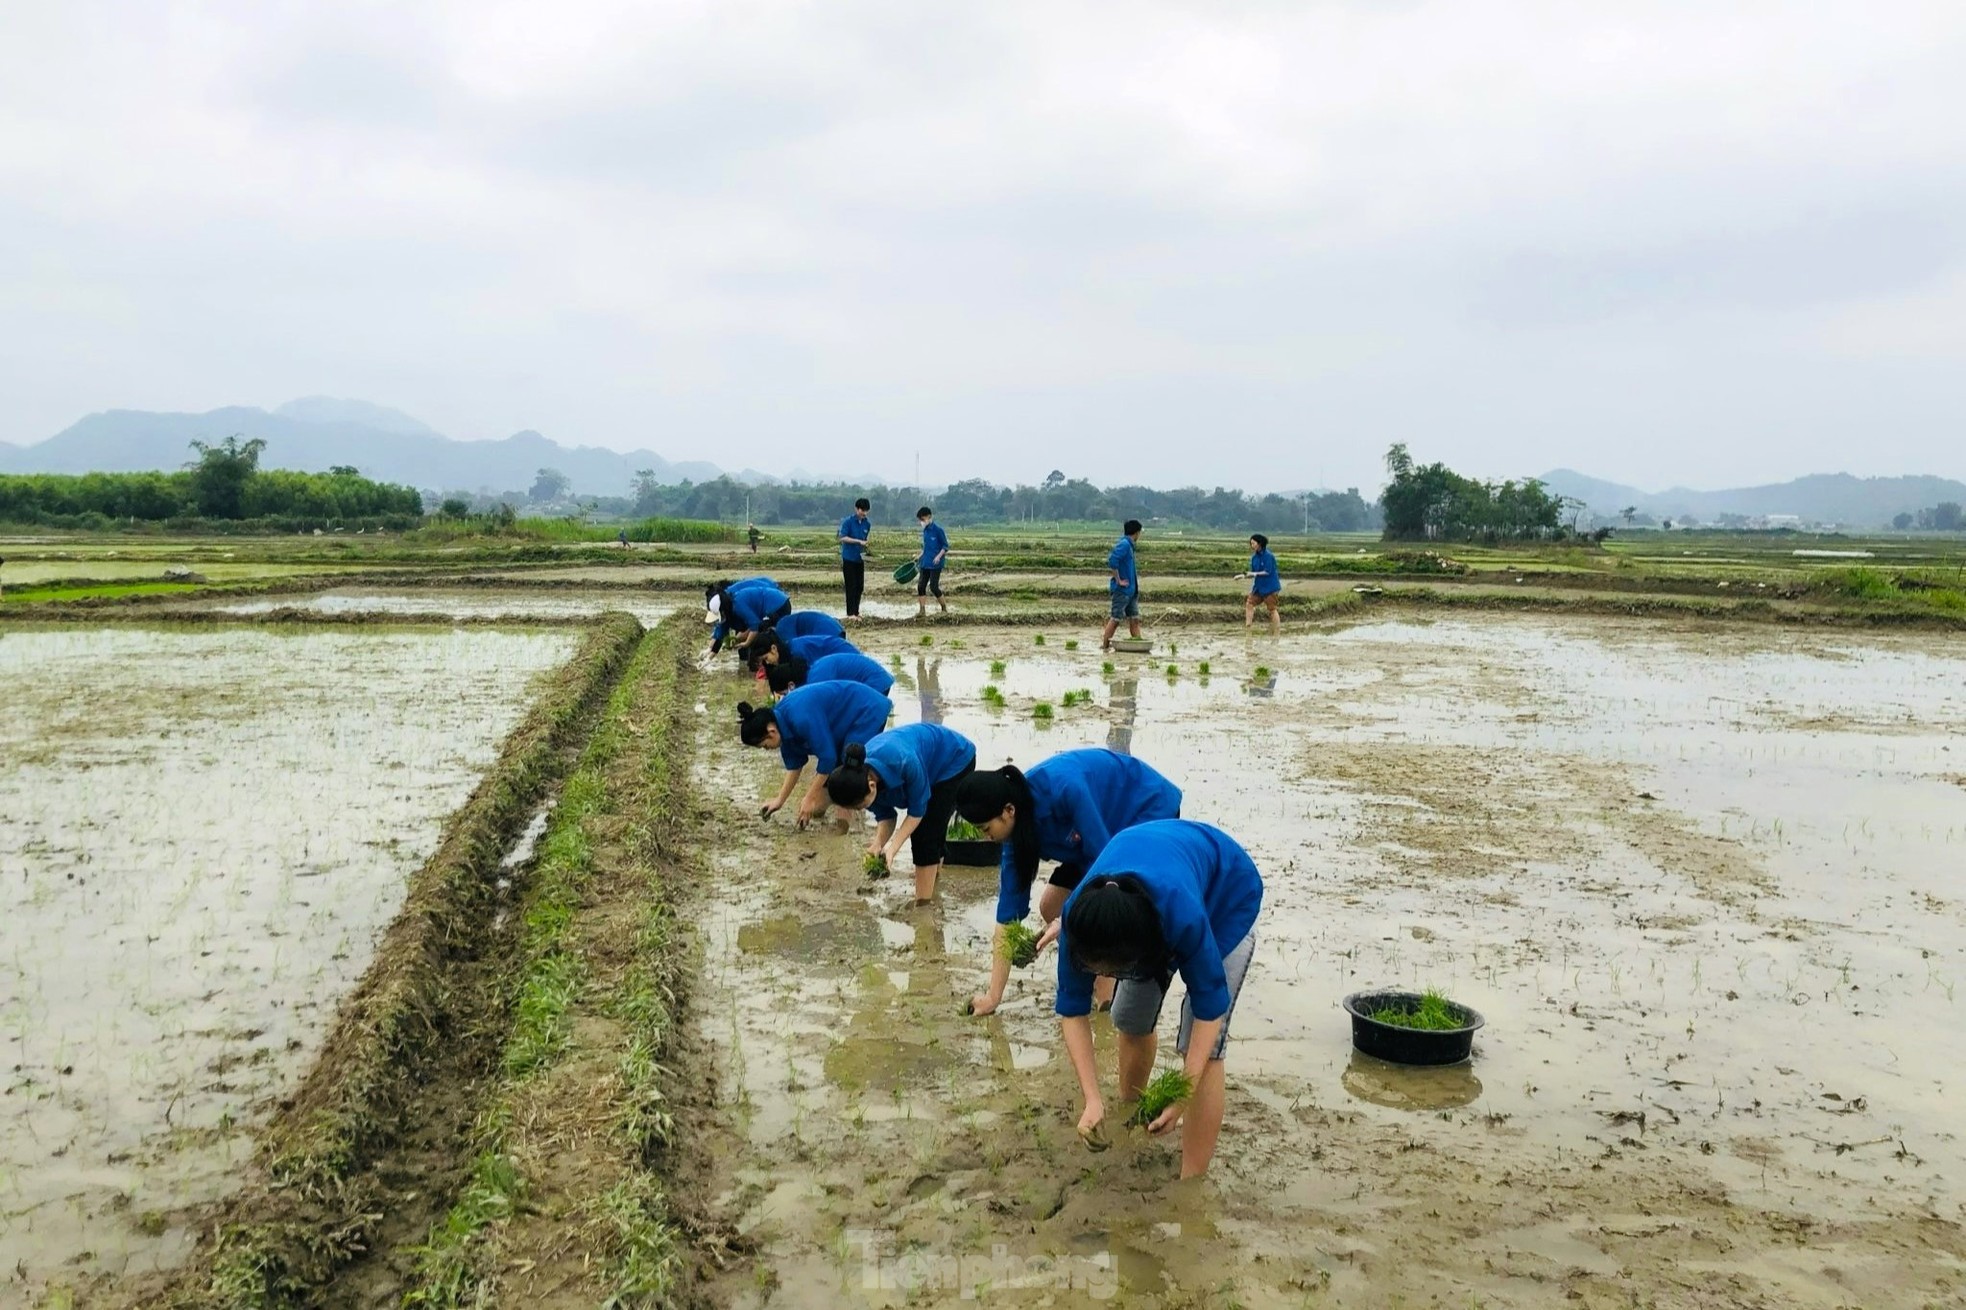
{"type": "Point", "coordinates": [855, 529]}
{"type": "Point", "coordinates": [1123, 584]}
{"type": "Point", "coordinates": [1163, 898]}
{"type": "Point", "coordinates": [928, 569]}
{"type": "Point", "coordinates": [1265, 583]}
{"type": "Point", "coordinates": [755, 536]}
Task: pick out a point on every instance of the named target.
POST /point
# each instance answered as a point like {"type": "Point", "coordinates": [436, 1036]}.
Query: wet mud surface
{"type": "Point", "coordinates": [1704, 883]}
{"type": "Point", "coordinates": [478, 604]}
{"type": "Point", "coordinates": [205, 833]}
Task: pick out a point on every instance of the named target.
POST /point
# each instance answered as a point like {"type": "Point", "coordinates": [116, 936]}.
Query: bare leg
{"type": "Point", "coordinates": [1202, 1124]}
{"type": "Point", "coordinates": [925, 883]}
{"type": "Point", "coordinates": [1133, 626]}
{"type": "Point", "coordinates": [1276, 617]}
{"type": "Point", "coordinates": [1102, 991]}
{"type": "Point", "coordinates": [1248, 612]}
{"type": "Point", "coordinates": [1106, 639]}
{"type": "Point", "coordinates": [1137, 1064]}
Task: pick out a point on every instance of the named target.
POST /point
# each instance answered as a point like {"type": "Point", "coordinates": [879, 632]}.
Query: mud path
{"type": "Point", "coordinates": [1696, 882]}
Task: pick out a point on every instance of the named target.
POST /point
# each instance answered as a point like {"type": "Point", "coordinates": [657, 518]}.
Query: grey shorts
{"type": "Point", "coordinates": [1136, 1005]}
{"type": "Point", "coordinates": [1126, 604]}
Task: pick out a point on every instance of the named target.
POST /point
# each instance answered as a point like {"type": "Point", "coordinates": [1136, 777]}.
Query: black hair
{"type": "Point", "coordinates": [790, 671]}
{"type": "Point", "coordinates": [863, 503]}
{"type": "Point", "coordinates": [751, 723]}
{"type": "Point", "coordinates": [981, 797]}
{"type": "Point", "coordinates": [1262, 542]}
{"type": "Point", "coordinates": [847, 785]}
{"type": "Point", "coordinates": [753, 651]}
{"type": "Point", "coordinates": [924, 512]}
{"type": "Point", "coordinates": [1132, 528]}
{"type": "Point", "coordinates": [1113, 928]}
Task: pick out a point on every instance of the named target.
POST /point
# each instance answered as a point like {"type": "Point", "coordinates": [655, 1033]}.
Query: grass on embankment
{"type": "Point", "coordinates": [565, 1194]}
{"type": "Point", "coordinates": [403, 1042]}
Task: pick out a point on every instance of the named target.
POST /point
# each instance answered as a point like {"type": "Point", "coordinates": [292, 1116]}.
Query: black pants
{"type": "Point", "coordinates": [928, 582]}
{"type": "Point", "coordinates": [854, 572]}
{"type": "Point", "coordinates": [930, 840]}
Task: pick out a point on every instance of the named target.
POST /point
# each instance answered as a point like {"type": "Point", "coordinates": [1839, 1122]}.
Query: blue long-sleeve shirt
{"type": "Point", "coordinates": [751, 600]}
{"type": "Point", "coordinates": [1081, 799]}
{"type": "Point", "coordinates": [1207, 892]}
{"type": "Point", "coordinates": [909, 762]}
{"type": "Point", "coordinates": [808, 623]}
{"type": "Point", "coordinates": [850, 666]}
{"type": "Point", "coordinates": [1121, 561]}
{"type": "Point", "coordinates": [935, 547]}
{"type": "Point", "coordinates": [818, 722]}
{"type": "Point", "coordinates": [1264, 578]}
{"type": "Point", "coordinates": [819, 646]}
{"type": "Point", "coordinates": [859, 529]}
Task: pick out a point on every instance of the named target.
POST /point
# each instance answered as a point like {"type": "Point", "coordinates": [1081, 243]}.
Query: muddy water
{"type": "Point", "coordinates": [205, 833]}
{"type": "Point", "coordinates": [1702, 882]}
{"type": "Point", "coordinates": [461, 604]}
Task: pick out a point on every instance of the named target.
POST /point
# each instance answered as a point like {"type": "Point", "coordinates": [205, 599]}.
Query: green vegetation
{"type": "Point", "coordinates": [993, 696]}
{"type": "Point", "coordinates": [1432, 502]}
{"type": "Point", "coordinates": [1107, 668]}
{"type": "Point", "coordinates": [874, 865]}
{"type": "Point", "coordinates": [961, 829]}
{"type": "Point", "coordinates": [1071, 645]}
{"type": "Point", "coordinates": [1042, 710]}
{"type": "Point", "coordinates": [1078, 696]}
{"type": "Point", "coordinates": [1262, 672]}
{"type": "Point", "coordinates": [997, 668]}
{"type": "Point", "coordinates": [1434, 1013]}
{"type": "Point", "coordinates": [1038, 640]}
{"type": "Point", "coordinates": [1202, 668]}
{"type": "Point", "coordinates": [28, 595]}
{"type": "Point", "coordinates": [928, 639]}
{"type": "Point", "coordinates": [1169, 1086]}
{"type": "Point", "coordinates": [1019, 945]}
{"type": "Point", "coordinates": [1174, 670]}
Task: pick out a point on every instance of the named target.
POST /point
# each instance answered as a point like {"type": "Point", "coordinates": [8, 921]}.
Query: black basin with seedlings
{"type": "Point", "coordinates": [1404, 1045]}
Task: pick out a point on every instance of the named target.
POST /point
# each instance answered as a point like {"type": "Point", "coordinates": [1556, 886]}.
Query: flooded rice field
{"type": "Point", "coordinates": [205, 833]}
{"type": "Point", "coordinates": [463, 604]}
{"type": "Point", "coordinates": [1704, 882]}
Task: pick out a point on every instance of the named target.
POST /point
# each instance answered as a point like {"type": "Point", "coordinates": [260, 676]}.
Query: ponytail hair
{"type": "Point", "coordinates": [752, 723]}
{"type": "Point", "coordinates": [1112, 928]}
{"type": "Point", "coordinates": [982, 796]}
{"type": "Point", "coordinates": [789, 672]}
{"type": "Point", "coordinates": [847, 785]}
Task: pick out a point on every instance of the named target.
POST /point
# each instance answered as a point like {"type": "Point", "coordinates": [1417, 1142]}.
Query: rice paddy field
{"type": "Point", "coordinates": [391, 922]}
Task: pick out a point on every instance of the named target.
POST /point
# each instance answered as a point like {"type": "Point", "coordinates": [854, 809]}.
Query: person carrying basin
{"type": "Point", "coordinates": [908, 778]}
{"type": "Point", "coordinates": [742, 608]}
{"type": "Point", "coordinates": [855, 529]}
{"type": "Point", "coordinates": [1066, 809]}
{"type": "Point", "coordinates": [814, 723]}
{"type": "Point", "coordinates": [1167, 897]}
{"type": "Point", "coordinates": [935, 554]}
{"type": "Point", "coordinates": [1123, 585]}
{"type": "Point", "coordinates": [1265, 584]}
{"type": "Point", "coordinates": [789, 671]}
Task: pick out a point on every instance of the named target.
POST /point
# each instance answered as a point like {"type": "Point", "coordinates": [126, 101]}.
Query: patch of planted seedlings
{"type": "Point", "coordinates": [1042, 711]}
{"type": "Point", "coordinates": [1169, 1086]}
{"type": "Point", "coordinates": [874, 865]}
{"type": "Point", "coordinates": [1019, 946]}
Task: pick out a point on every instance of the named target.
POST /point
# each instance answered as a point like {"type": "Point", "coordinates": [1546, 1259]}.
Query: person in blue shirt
{"type": "Point", "coordinates": [768, 648]}
{"type": "Point", "coordinates": [855, 529]}
{"type": "Point", "coordinates": [742, 608]}
{"type": "Point", "coordinates": [1265, 583]}
{"type": "Point", "coordinates": [806, 623]}
{"type": "Point", "coordinates": [908, 778]}
{"type": "Point", "coordinates": [1065, 809]}
{"type": "Point", "coordinates": [813, 723]}
{"type": "Point", "coordinates": [789, 671]}
{"type": "Point", "coordinates": [928, 569]}
{"type": "Point", "coordinates": [1163, 898]}
{"type": "Point", "coordinates": [1123, 585]}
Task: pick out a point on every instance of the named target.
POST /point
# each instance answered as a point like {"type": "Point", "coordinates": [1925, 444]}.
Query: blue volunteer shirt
{"type": "Point", "coordinates": [1207, 892]}
{"type": "Point", "coordinates": [818, 647]}
{"type": "Point", "coordinates": [818, 722]}
{"type": "Point", "coordinates": [724, 624]}
{"type": "Point", "coordinates": [1263, 572]}
{"type": "Point", "coordinates": [935, 543]}
{"type": "Point", "coordinates": [751, 606]}
{"type": "Point", "coordinates": [859, 529]}
{"type": "Point", "coordinates": [850, 666]}
{"type": "Point", "coordinates": [1121, 560]}
{"type": "Point", "coordinates": [808, 623]}
{"type": "Point", "coordinates": [910, 761]}
{"type": "Point", "coordinates": [1082, 798]}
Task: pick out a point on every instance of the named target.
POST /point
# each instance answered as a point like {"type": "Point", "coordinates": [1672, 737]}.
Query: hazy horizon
{"type": "Point", "coordinates": [1670, 247]}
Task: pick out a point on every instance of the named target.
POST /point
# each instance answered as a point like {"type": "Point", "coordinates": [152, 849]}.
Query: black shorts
{"type": "Point", "coordinates": [930, 840]}
{"type": "Point", "coordinates": [779, 613]}
{"type": "Point", "coordinates": [1067, 876]}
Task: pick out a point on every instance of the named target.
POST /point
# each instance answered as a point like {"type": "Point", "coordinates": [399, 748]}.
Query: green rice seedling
{"type": "Point", "coordinates": [1077, 696]}
{"type": "Point", "coordinates": [1202, 668]}
{"type": "Point", "coordinates": [895, 661]}
{"type": "Point", "coordinates": [993, 696]}
{"type": "Point", "coordinates": [1174, 670]}
{"type": "Point", "coordinates": [1071, 645]}
{"type": "Point", "coordinates": [874, 866]}
{"type": "Point", "coordinates": [1169, 1086]}
{"type": "Point", "coordinates": [1019, 946]}
{"type": "Point", "coordinates": [1433, 1014]}
{"type": "Point", "coordinates": [1041, 710]}
{"type": "Point", "coordinates": [1107, 668]}
{"type": "Point", "coordinates": [928, 639]}
{"type": "Point", "coordinates": [1262, 671]}
{"type": "Point", "coordinates": [998, 668]}
{"type": "Point", "coordinates": [1038, 640]}
{"type": "Point", "coordinates": [961, 829]}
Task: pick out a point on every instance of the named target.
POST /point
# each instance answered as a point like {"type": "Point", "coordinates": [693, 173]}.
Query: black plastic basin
{"type": "Point", "coordinates": [974, 854]}
{"type": "Point", "coordinates": [1409, 1045]}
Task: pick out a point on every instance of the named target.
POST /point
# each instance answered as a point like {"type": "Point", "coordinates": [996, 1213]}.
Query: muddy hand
{"type": "Point", "coordinates": [1168, 1118]}
{"type": "Point", "coordinates": [982, 1005]}
{"type": "Point", "coordinates": [1048, 936]}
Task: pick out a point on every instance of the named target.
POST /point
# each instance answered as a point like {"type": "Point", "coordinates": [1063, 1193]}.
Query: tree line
{"type": "Point", "coordinates": [1946, 516]}
{"type": "Point", "coordinates": [225, 483]}
{"type": "Point", "coordinates": [1431, 502]}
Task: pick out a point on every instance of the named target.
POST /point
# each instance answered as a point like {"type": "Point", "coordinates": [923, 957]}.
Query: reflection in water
{"type": "Point", "coordinates": [1264, 687]}
{"type": "Point", "coordinates": [1411, 1087]}
{"type": "Point", "coordinates": [928, 685]}
{"type": "Point", "coordinates": [1125, 707]}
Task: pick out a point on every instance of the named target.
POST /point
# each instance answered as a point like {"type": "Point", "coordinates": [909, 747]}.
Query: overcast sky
{"type": "Point", "coordinates": [1699, 241]}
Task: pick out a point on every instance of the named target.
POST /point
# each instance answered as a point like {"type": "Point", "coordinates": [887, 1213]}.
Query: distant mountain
{"type": "Point", "coordinates": [1819, 498]}
{"type": "Point", "coordinates": [318, 432]}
